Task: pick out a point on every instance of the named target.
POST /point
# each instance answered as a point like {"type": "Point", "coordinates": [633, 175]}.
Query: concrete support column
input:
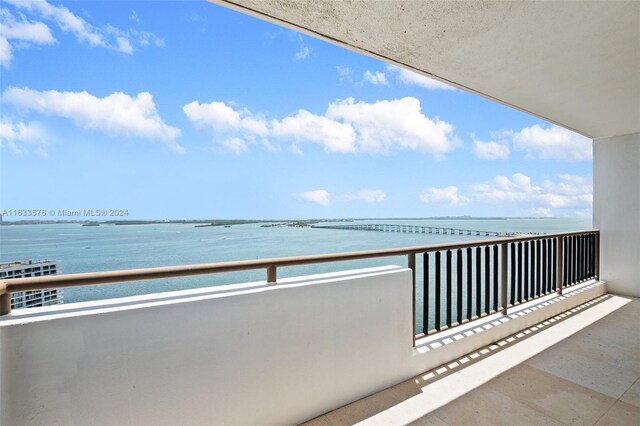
{"type": "Point", "coordinates": [616, 211]}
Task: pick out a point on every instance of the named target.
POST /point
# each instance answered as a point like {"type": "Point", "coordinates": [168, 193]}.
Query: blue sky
{"type": "Point", "coordinates": [189, 110]}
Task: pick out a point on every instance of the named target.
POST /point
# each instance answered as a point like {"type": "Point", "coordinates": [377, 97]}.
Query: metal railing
{"type": "Point", "coordinates": [490, 275]}
{"type": "Point", "coordinates": [470, 281]}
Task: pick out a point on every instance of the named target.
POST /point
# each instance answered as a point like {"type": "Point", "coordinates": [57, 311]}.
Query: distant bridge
{"type": "Point", "coordinates": [419, 230]}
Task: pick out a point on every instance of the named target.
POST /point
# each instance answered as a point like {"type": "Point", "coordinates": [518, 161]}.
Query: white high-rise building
{"type": "Point", "coordinates": [31, 268]}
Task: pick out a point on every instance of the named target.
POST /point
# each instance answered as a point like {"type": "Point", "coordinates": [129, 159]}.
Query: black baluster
{"type": "Point", "coordinates": [550, 264]}
{"type": "Point", "coordinates": [425, 294]}
{"type": "Point", "coordinates": [544, 266]}
{"type": "Point", "coordinates": [554, 261]}
{"type": "Point", "coordinates": [579, 262]}
{"type": "Point", "coordinates": [565, 262]}
{"type": "Point", "coordinates": [478, 281]}
{"type": "Point", "coordinates": [519, 274]}
{"type": "Point", "coordinates": [449, 288]}
{"type": "Point", "coordinates": [469, 283]}
{"type": "Point", "coordinates": [459, 287]}
{"type": "Point", "coordinates": [538, 269]}
{"type": "Point", "coordinates": [581, 273]}
{"type": "Point", "coordinates": [487, 279]}
{"type": "Point", "coordinates": [592, 245]}
{"type": "Point", "coordinates": [513, 273]}
{"type": "Point", "coordinates": [438, 283]}
{"type": "Point", "coordinates": [572, 265]}
{"type": "Point", "coordinates": [534, 262]}
{"type": "Point", "coordinates": [587, 271]}
{"type": "Point", "coordinates": [525, 275]}
{"type": "Point", "coordinates": [584, 257]}
{"type": "Point", "coordinates": [496, 291]}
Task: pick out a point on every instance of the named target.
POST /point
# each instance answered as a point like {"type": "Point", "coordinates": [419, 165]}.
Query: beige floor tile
{"type": "Point", "coordinates": [632, 396]}
{"type": "Point", "coordinates": [367, 407]}
{"type": "Point", "coordinates": [553, 396]}
{"type": "Point", "coordinates": [430, 419]}
{"type": "Point", "coordinates": [626, 318]}
{"type": "Point", "coordinates": [607, 378]}
{"type": "Point", "coordinates": [609, 333]}
{"type": "Point", "coordinates": [621, 414]}
{"type": "Point", "coordinates": [482, 407]}
{"type": "Point", "coordinates": [319, 421]}
{"type": "Point", "coordinates": [618, 354]}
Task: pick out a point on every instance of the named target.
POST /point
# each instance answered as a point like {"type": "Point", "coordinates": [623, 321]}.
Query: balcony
{"type": "Point", "coordinates": [287, 350]}
{"type": "Point", "coordinates": [517, 330]}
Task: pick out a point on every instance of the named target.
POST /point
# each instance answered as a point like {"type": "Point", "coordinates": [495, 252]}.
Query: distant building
{"type": "Point", "coordinates": [30, 268]}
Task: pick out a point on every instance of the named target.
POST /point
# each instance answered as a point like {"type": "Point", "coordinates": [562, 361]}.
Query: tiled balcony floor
{"type": "Point", "coordinates": [582, 367]}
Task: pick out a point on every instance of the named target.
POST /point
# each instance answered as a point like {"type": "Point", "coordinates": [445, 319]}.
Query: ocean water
{"type": "Point", "coordinates": [79, 248]}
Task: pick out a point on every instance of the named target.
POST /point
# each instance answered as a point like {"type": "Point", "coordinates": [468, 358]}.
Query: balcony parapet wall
{"type": "Point", "coordinates": [240, 354]}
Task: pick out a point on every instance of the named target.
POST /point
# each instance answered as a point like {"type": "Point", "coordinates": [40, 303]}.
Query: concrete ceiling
{"type": "Point", "coordinates": [576, 64]}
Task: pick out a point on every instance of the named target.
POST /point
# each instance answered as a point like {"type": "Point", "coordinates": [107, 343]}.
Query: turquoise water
{"type": "Point", "coordinates": [109, 247]}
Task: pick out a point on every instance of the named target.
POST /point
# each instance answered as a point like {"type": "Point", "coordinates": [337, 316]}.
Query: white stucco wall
{"type": "Point", "coordinates": [616, 211]}
{"type": "Point", "coordinates": [240, 354]}
{"type": "Point", "coordinates": [244, 354]}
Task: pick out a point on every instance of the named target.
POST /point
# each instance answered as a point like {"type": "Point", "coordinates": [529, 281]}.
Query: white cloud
{"type": "Point", "coordinates": [412, 78]}
{"type": "Point", "coordinates": [347, 126]}
{"type": "Point", "coordinates": [22, 30]}
{"type": "Point", "coordinates": [568, 192]}
{"type": "Point", "coordinates": [384, 126]}
{"type": "Point", "coordinates": [490, 150]}
{"type": "Point", "coordinates": [235, 145]}
{"type": "Point", "coordinates": [344, 73]}
{"type": "Point", "coordinates": [503, 188]}
{"type": "Point", "coordinates": [572, 194]}
{"type": "Point", "coordinates": [133, 17]}
{"type": "Point", "coordinates": [307, 127]}
{"type": "Point", "coordinates": [222, 117]}
{"type": "Point", "coordinates": [554, 142]}
{"type": "Point", "coordinates": [444, 196]}
{"type": "Point", "coordinates": [124, 45]}
{"type": "Point", "coordinates": [19, 137]}
{"type": "Point", "coordinates": [303, 50]}
{"type": "Point", "coordinates": [303, 53]}
{"type": "Point", "coordinates": [318, 196]}
{"type": "Point", "coordinates": [116, 114]}
{"type": "Point", "coordinates": [368, 195]}
{"type": "Point", "coordinates": [5, 53]}
{"type": "Point", "coordinates": [234, 126]}
{"type": "Point", "coordinates": [64, 18]}
{"type": "Point", "coordinates": [108, 37]}
{"type": "Point", "coordinates": [146, 38]}
{"type": "Point", "coordinates": [215, 114]}
{"type": "Point", "coordinates": [375, 78]}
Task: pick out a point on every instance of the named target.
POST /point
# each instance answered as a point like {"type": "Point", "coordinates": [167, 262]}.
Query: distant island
{"type": "Point", "coordinates": [296, 223]}
{"type": "Point", "coordinates": [229, 222]}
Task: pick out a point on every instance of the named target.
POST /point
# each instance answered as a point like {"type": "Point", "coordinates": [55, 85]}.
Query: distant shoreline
{"type": "Point", "coordinates": [228, 222]}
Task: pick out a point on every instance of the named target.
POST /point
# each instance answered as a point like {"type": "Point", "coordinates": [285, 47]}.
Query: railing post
{"type": "Point", "coordinates": [503, 277]}
{"type": "Point", "coordinates": [559, 264]}
{"type": "Point", "coordinates": [411, 264]}
{"type": "Point", "coordinates": [5, 300]}
{"type": "Point", "coordinates": [597, 257]}
{"type": "Point", "coordinates": [271, 274]}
